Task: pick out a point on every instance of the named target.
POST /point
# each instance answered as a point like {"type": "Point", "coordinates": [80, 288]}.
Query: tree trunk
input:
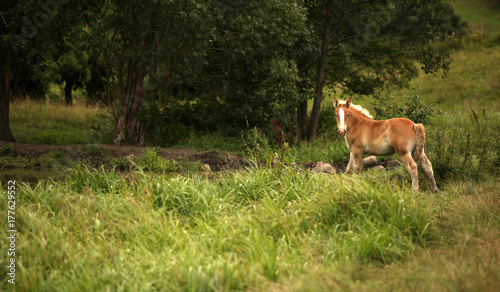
{"type": "Point", "coordinates": [302, 112]}
{"type": "Point", "coordinates": [128, 129]}
{"type": "Point", "coordinates": [313, 125]}
{"type": "Point", "coordinates": [5, 132]}
{"type": "Point", "coordinates": [67, 92]}
{"type": "Point", "coordinates": [296, 125]}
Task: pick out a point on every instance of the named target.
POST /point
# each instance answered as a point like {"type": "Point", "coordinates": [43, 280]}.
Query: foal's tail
{"type": "Point", "coordinates": [420, 140]}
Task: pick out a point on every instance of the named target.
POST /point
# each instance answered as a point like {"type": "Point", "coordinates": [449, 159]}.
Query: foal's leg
{"type": "Point", "coordinates": [349, 165]}
{"type": "Point", "coordinates": [427, 166]}
{"type": "Point", "coordinates": [412, 169]}
{"type": "Point", "coordinates": [357, 157]}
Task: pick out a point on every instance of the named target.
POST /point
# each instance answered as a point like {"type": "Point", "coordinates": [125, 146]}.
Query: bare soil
{"type": "Point", "coordinates": [216, 160]}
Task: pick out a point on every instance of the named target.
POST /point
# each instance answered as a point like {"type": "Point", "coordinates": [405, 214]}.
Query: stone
{"type": "Point", "coordinates": [323, 167]}
{"type": "Point", "coordinates": [369, 161]}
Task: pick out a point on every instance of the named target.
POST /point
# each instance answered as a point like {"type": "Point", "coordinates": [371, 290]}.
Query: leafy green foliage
{"type": "Point", "coordinates": [256, 145]}
{"type": "Point", "coordinates": [7, 150]}
{"type": "Point", "coordinates": [73, 69]}
{"type": "Point", "coordinates": [327, 121]}
{"type": "Point", "coordinates": [153, 162]}
{"type": "Point", "coordinates": [414, 108]}
{"type": "Point", "coordinates": [466, 147]}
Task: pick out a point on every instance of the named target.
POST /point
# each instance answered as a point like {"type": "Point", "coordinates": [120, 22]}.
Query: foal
{"type": "Point", "coordinates": [363, 135]}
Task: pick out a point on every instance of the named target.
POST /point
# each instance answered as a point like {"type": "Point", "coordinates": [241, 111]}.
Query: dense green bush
{"type": "Point", "coordinates": [465, 146]}
{"type": "Point", "coordinates": [414, 108]}
{"type": "Point", "coordinates": [327, 123]}
{"type": "Point", "coordinates": [166, 125]}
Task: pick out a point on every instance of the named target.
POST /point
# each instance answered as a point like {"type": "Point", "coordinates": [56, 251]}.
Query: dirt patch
{"type": "Point", "coordinates": [221, 160]}
{"type": "Point", "coordinates": [216, 160]}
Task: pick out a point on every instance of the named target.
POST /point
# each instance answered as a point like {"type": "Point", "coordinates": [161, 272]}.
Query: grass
{"type": "Point", "coordinates": [483, 14]}
{"type": "Point", "coordinates": [259, 229]}
{"type": "Point", "coordinates": [472, 83]}
{"type": "Point", "coordinates": [57, 124]}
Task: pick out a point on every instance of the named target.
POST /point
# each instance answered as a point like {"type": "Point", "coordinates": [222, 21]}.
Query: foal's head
{"type": "Point", "coordinates": [342, 112]}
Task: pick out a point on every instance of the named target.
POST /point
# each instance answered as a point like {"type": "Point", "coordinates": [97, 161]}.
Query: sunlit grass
{"type": "Point", "coordinates": [55, 123]}
{"type": "Point", "coordinates": [483, 14]}
{"type": "Point", "coordinates": [259, 229]}
{"type": "Point", "coordinates": [473, 82]}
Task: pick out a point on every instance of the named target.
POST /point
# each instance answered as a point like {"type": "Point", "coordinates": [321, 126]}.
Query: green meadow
{"type": "Point", "coordinates": [273, 226]}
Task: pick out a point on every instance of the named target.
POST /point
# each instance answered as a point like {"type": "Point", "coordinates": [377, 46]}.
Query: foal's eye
{"type": "Point", "coordinates": [347, 116]}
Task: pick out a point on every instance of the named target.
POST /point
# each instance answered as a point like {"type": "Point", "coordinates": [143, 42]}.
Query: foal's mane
{"type": "Point", "coordinates": [359, 108]}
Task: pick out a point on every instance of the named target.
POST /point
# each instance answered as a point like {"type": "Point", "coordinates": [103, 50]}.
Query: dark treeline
{"type": "Point", "coordinates": [215, 65]}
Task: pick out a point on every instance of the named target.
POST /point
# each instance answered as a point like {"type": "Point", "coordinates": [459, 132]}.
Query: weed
{"type": "Point", "coordinates": [7, 150]}
{"type": "Point", "coordinates": [153, 162]}
{"type": "Point", "coordinates": [120, 163]}
{"type": "Point", "coordinates": [256, 145]}
{"type": "Point", "coordinates": [100, 181]}
{"type": "Point", "coordinates": [93, 150]}
{"type": "Point", "coordinates": [101, 132]}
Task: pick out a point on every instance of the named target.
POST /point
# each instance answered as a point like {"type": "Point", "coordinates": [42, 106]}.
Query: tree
{"type": "Point", "coordinates": [361, 49]}
{"type": "Point", "coordinates": [250, 68]}
{"type": "Point", "coordinates": [31, 31]}
{"type": "Point", "coordinates": [143, 45]}
{"type": "Point", "coordinates": [5, 132]}
{"type": "Point", "coordinates": [73, 69]}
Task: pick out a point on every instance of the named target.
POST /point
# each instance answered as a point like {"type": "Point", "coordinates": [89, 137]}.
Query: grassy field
{"type": "Point", "coordinates": [270, 229]}
{"type": "Point", "coordinates": [482, 15]}
{"type": "Point", "coordinates": [57, 124]}
{"type": "Point", "coordinates": [260, 229]}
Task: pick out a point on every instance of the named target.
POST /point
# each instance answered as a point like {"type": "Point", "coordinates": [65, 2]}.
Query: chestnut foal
{"type": "Point", "coordinates": [363, 135]}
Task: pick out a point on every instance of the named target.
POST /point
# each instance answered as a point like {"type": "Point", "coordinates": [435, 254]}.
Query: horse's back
{"type": "Point", "coordinates": [402, 133]}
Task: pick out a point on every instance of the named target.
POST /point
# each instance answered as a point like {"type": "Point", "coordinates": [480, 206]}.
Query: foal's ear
{"type": "Point", "coordinates": [335, 102]}
{"type": "Point", "coordinates": [348, 102]}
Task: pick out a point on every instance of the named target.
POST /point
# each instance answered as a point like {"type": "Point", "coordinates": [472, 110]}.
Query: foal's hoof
{"type": "Point", "coordinates": [435, 190]}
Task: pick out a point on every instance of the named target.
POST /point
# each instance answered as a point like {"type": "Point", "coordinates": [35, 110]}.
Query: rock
{"type": "Point", "coordinates": [206, 168]}
{"type": "Point", "coordinates": [379, 167]}
{"type": "Point", "coordinates": [323, 167]}
{"type": "Point", "coordinates": [369, 161]}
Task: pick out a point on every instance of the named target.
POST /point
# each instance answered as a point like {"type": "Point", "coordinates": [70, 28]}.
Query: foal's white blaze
{"type": "Point", "coordinates": [341, 115]}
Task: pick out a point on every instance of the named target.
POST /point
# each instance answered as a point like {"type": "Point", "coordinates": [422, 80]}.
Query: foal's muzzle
{"type": "Point", "coordinates": [342, 132]}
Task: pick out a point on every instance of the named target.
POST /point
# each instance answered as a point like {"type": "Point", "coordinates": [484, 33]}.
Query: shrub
{"type": "Point", "coordinates": [327, 123]}
{"type": "Point", "coordinates": [166, 125]}
{"type": "Point", "coordinates": [255, 143]}
{"type": "Point", "coordinates": [414, 108]}
{"type": "Point", "coordinates": [465, 148]}
{"type": "Point", "coordinates": [153, 162]}
{"type": "Point", "coordinates": [7, 150]}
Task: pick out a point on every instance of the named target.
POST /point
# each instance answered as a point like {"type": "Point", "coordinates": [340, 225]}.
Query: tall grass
{"type": "Point", "coordinates": [259, 229]}
{"type": "Point", "coordinates": [54, 123]}
{"type": "Point", "coordinates": [102, 230]}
